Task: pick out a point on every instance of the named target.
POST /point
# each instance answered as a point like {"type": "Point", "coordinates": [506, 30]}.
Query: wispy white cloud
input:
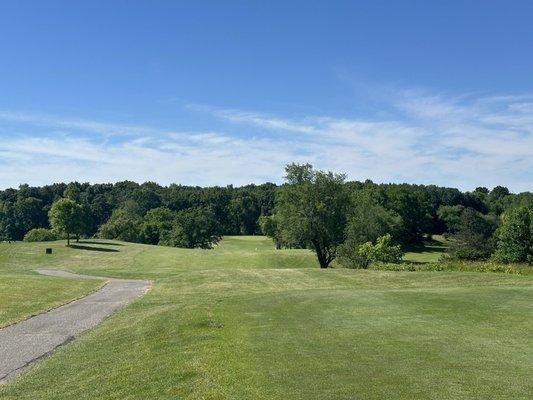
{"type": "Point", "coordinates": [66, 123]}
{"type": "Point", "coordinates": [463, 141]}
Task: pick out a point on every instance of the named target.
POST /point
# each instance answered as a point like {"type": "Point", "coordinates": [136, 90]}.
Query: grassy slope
{"type": "Point", "coordinates": [247, 322]}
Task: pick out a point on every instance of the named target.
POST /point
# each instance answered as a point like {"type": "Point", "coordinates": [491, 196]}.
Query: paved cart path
{"type": "Point", "coordinates": [25, 342]}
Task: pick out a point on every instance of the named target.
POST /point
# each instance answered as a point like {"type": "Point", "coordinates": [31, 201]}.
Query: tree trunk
{"type": "Point", "coordinates": [68, 239]}
{"type": "Point", "coordinates": [320, 254]}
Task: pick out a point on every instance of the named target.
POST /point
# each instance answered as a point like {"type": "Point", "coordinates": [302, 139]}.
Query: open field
{"type": "Point", "coordinates": [245, 321]}
{"type": "Point", "coordinates": [430, 251]}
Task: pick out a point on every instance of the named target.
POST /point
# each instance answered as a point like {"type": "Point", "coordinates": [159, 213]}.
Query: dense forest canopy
{"type": "Point", "coordinates": [187, 216]}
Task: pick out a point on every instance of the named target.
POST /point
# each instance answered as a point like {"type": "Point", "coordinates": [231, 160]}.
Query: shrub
{"type": "Point", "coordinates": [387, 252]}
{"type": "Point", "coordinates": [40, 235]}
{"type": "Point", "coordinates": [457, 265]}
{"type": "Point", "coordinates": [384, 251]}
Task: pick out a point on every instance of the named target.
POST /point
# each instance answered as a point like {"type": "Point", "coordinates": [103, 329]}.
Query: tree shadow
{"type": "Point", "coordinates": [96, 242]}
{"type": "Point", "coordinates": [104, 249]}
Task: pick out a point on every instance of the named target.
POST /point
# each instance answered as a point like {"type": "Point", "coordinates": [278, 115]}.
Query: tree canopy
{"type": "Point", "coordinates": [67, 216]}
{"type": "Point", "coordinates": [311, 209]}
{"type": "Point", "coordinates": [315, 209]}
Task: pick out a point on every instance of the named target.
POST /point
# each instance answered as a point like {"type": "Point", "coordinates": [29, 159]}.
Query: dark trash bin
{"type": "Point", "coordinates": [48, 250]}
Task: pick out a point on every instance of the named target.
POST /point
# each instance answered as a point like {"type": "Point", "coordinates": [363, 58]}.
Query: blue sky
{"type": "Point", "coordinates": [229, 92]}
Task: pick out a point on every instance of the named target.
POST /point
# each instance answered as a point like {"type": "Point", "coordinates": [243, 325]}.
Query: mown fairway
{"type": "Point", "coordinates": [245, 321]}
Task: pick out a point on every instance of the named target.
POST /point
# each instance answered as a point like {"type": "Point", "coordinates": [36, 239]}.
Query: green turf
{"type": "Point", "coordinates": [23, 293]}
{"type": "Point", "coordinates": [430, 251]}
{"type": "Point", "coordinates": [221, 324]}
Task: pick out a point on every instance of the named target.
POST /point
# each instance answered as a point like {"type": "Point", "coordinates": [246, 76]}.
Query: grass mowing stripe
{"type": "Point", "coordinates": [221, 324]}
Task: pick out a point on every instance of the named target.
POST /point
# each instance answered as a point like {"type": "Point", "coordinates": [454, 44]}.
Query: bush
{"type": "Point", "coordinates": [40, 235]}
{"type": "Point", "coordinates": [384, 251]}
{"type": "Point", "coordinates": [457, 265]}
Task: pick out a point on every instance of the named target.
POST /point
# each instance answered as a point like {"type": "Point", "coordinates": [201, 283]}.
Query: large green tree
{"type": "Point", "coordinates": [157, 223]}
{"type": "Point", "coordinates": [67, 216]}
{"type": "Point", "coordinates": [515, 236]}
{"type": "Point", "coordinates": [311, 209]}
{"type": "Point", "coordinates": [195, 227]}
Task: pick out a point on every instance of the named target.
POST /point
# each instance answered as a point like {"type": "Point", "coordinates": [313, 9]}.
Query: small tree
{"type": "Point", "coordinates": [311, 209]}
{"type": "Point", "coordinates": [515, 236]}
{"type": "Point", "coordinates": [66, 216]}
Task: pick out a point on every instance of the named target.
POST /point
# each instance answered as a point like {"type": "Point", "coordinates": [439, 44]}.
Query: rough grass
{"type": "Point", "coordinates": [222, 324]}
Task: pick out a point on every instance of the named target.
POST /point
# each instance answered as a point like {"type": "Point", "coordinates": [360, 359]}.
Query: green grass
{"type": "Point", "coordinates": [244, 321]}
{"type": "Point", "coordinates": [23, 293]}
{"type": "Point", "coordinates": [429, 252]}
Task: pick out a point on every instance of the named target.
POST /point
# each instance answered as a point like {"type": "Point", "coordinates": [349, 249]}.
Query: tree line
{"type": "Point", "coordinates": [354, 222]}
{"type": "Point", "coordinates": [360, 223]}
{"type": "Point", "coordinates": [145, 213]}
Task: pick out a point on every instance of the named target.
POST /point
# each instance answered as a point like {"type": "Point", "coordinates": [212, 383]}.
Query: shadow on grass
{"type": "Point", "coordinates": [425, 249]}
{"type": "Point", "coordinates": [81, 247]}
{"type": "Point", "coordinates": [96, 242]}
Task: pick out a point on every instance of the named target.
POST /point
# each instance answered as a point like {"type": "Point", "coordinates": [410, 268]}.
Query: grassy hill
{"type": "Point", "coordinates": [246, 321]}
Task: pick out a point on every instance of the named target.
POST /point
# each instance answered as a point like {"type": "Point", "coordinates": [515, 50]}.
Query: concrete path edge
{"type": "Point", "coordinates": [24, 343]}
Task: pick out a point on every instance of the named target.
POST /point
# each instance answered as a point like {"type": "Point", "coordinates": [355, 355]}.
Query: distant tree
{"type": "Point", "coordinates": [66, 216]}
{"type": "Point", "coordinates": [472, 239]}
{"type": "Point", "coordinates": [451, 216]}
{"type": "Point", "coordinates": [147, 198]}
{"type": "Point", "coordinates": [515, 236]}
{"type": "Point", "coordinates": [482, 190]}
{"type": "Point", "coordinates": [195, 227]}
{"type": "Point", "coordinates": [8, 228]}
{"type": "Point", "coordinates": [311, 209]}
{"type": "Point", "coordinates": [29, 214]}
{"type": "Point", "coordinates": [245, 211]}
{"type": "Point", "coordinates": [157, 223]}
{"type": "Point", "coordinates": [367, 221]}
{"type": "Point", "coordinates": [124, 223]}
{"type": "Point", "coordinates": [499, 192]}
{"type": "Point", "coordinates": [413, 206]}
{"type": "Point", "coordinates": [74, 191]}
